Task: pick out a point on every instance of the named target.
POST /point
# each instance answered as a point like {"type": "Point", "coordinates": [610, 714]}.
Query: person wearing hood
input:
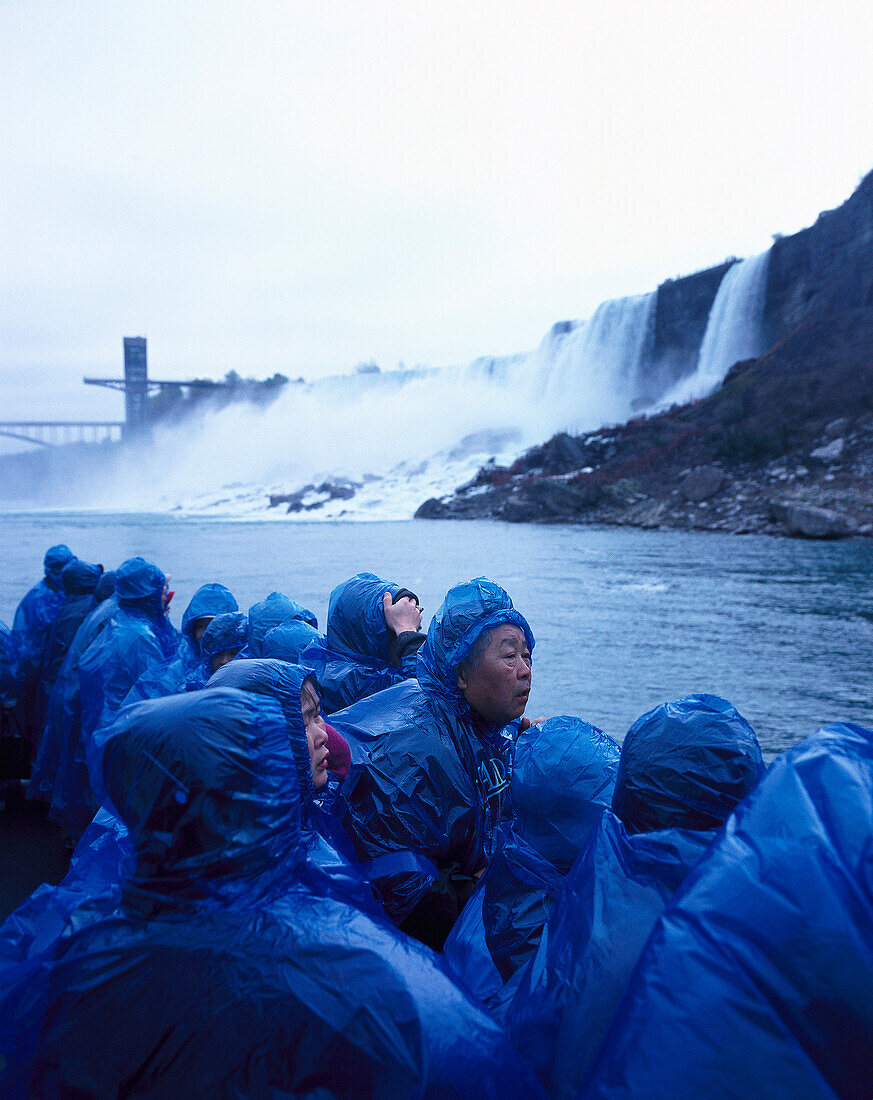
{"type": "Point", "coordinates": [760, 971]}
{"type": "Point", "coordinates": [105, 587]}
{"type": "Point", "coordinates": [372, 640]}
{"type": "Point", "coordinates": [30, 631]}
{"type": "Point", "coordinates": [430, 760]}
{"type": "Point", "coordinates": [79, 580]}
{"type": "Point", "coordinates": [286, 682]}
{"type": "Point", "coordinates": [269, 613]}
{"type": "Point", "coordinates": [288, 640]}
{"type": "Point", "coordinates": [322, 755]}
{"type": "Point", "coordinates": [58, 762]}
{"type": "Point", "coordinates": [563, 776]}
{"type": "Point", "coordinates": [186, 666]}
{"type": "Point", "coordinates": [248, 980]}
{"type": "Point", "coordinates": [684, 767]}
{"type": "Point", "coordinates": [138, 636]}
{"type": "Point", "coordinates": [208, 601]}
{"type": "Point", "coordinates": [92, 887]}
{"type": "Point", "coordinates": [222, 641]}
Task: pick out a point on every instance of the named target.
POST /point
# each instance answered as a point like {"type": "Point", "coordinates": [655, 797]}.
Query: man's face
{"type": "Point", "coordinates": [316, 734]}
{"type": "Point", "coordinates": [498, 687]}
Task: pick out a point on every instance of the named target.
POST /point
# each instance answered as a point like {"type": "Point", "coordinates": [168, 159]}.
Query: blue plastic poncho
{"type": "Point", "coordinates": [288, 640]}
{"type": "Point", "coordinates": [686, 765]}
{"type": "Point", "coordinates": [208, 601]}
{"type": "Point", "coordinates": [226, 633]}
{"type": "Point", "coordinates": [89, 891]}
{"type": "Point", "coordinates": [138, 635]}
{"type": "Point", "coordinates": [269, 613]}
{"type": "Point", "coordinates": [30, 630]}
{"type": "Point", "coordinates": [62, 755]}
{"type": "Point", "coordinates": [105, 586]}
{"type": "Point", "coordinates": [175, 672]}
{"type": "Point", "coordinates": [697, 757]}
{"type": "Point", "coordinates": [562, 780]}
{"type": "Point", "coordinates": [283, 681]}
{"type": "Point", "coordinates": [563, 776]}
{"type": "Point", "coordinates": [353, 660]}
{"type": "Point", "coordinates": [428, 774]}
{"type": "Point", "coordinates": [79, 580]}
{"type": "Point", "coordinates": [328, 844]}
{"type": "Point", "coordinates": [760, 971]}
{"type": "Point", "coordinates": [92, 887]}
{"type": "Point", "coordinates": [226, 972]}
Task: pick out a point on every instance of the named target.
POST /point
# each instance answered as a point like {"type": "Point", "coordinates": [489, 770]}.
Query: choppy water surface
{"type": "Point", "coordinates": [623, 619]}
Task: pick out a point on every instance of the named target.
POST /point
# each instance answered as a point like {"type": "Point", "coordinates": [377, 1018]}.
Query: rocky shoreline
{"type": "Point", "coordinates": [799, 496]}
{"type": "Point", "coordinates": [823, 494]}
{"type": "Point", "coordinates": [754, 458]}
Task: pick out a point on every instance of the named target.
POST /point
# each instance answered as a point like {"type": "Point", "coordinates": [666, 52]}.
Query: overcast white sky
{"type": "Point", "coordinates": [304, 186]}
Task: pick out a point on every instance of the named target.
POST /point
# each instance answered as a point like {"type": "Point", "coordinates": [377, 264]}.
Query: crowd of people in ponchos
{"type": "Point", "coordinates": [345, 864]}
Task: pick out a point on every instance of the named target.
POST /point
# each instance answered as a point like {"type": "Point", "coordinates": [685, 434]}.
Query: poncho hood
{"type": "Point", "coordinates": [282, 682]}
{"type": "Point", "coordinates": [288, 640]}
{"type": "Point", "coordinates": [277, 608]}
{"type": "Point", "coordinates": [56, 557]}
{"type": "Point", "coordinates": [80, 578]}
{"type": "Point", "coordinates": [140, 585]}
{"type": "Point", "coordinates": [468, 609]}
{"type": "Point", "coordinates": [208, 601]}
{"type": "Point", "coordinates": [686, 765]}
{"type": "Point", "coordinates": [355, 617]}
{"type": "Point", "coordinates": [563, 778]}
{"type": "Point", "coordinates": [227, 631]}
{"type": "Point", "coordinates": [207, 787]}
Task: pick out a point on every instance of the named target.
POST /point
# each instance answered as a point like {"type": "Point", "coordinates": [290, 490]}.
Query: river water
{"type": "Point", "coordinates": [623, 619]}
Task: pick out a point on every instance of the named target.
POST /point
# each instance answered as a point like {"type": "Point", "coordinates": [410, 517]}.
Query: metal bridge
{"type": "Point", "coordinates": [136, 386]}
{"type": "Point", "coordinates": [55, 433]}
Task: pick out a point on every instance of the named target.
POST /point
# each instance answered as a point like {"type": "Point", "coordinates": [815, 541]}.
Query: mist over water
{"type": "Point", "coordinates": [375, 445]}
{"type": "Point", "coordinates": [394, 438]}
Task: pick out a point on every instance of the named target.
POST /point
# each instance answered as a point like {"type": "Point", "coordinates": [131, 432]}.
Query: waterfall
{"type": "Point", "coordinates": [591, 370]}
{"type": "Point", "coordinates": [376, 444]}
{"type": "Point", "coordinates": [734, 329]}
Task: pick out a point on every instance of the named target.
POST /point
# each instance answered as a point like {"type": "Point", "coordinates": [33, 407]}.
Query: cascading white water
{"type": "Point", "coordinates": [595, 367]}
{"type": "Point", "coordinates": [734, 329]}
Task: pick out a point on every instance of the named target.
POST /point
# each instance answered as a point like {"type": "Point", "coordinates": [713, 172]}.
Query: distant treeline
{"type": "Point", "coordinates": [177, 402]}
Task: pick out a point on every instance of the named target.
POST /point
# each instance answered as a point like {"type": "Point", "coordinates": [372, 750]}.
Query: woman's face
{"type": "Point", "coordinates": [316, 733]}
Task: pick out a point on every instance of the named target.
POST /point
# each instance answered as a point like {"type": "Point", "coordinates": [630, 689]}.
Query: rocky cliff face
{"type": "Point", "coordinates": [824, 270]}
{"type": "Point", "coordinates": [784, 446]}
